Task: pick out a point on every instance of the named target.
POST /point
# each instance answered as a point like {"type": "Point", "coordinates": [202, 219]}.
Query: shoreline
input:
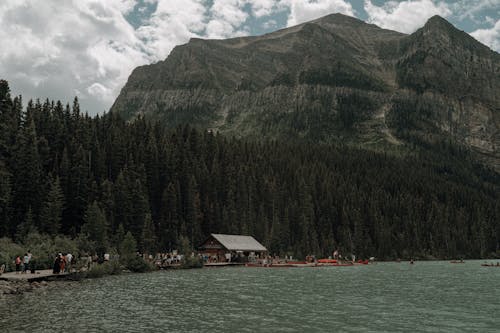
{"type": "Point", "coordinates": [19, 287]}
{"type": "Point", "coordinates": [13, 288]}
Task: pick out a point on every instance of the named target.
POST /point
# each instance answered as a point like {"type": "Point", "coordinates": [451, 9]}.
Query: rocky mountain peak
{"type": "Point", "coordinates": [438, 22]}
{"type": "Point", "coordinates": [440, 33]}
{"type": "Point", "coordinates": [338, 18]}
{"type": "Point", "coordinates": [334, 78]}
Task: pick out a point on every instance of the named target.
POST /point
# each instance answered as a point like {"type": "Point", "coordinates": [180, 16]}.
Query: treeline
{"type": "Point", "coordinates": [63, 172]}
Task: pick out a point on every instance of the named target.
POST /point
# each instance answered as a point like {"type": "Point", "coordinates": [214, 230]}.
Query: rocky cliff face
{"type": "Point", "coordinates": [335, 78]}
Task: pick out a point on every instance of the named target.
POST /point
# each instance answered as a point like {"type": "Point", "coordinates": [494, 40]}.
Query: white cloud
{"type": "Point", "coordinates": [489, 37]}
{"type": "Point", "coordinates": [405, 16]}
{"type": "Point", "coordinates": [173, 23]}
{"type": "Point", "coordinates": [471, 9]}
{"type": "Point", "coordinates": [270, 24]}
{"type": "Point", "coordinates": [126, 6]}
{"type": "Point", "coordinates": [58, 48]}
{"type": "Point", "coordinates": [262, 8]}
{"type": "Point", "coordinates": [98, 90]}
{"type": "Point", "coordinates": [306, 10]}
{"type": "Point", "coordinates": [226, 18]}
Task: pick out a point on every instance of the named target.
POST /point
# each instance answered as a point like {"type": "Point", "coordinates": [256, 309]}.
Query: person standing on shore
{"type": "Point", "coordinates": [62, 262]}
{"type": "Point", "coordinates": [26, 263]}
{"type": "Point", "coordinates": [31, 262]}
{"type": "Point", "coordinates": [69, 259]}
{"type": "Point", "coordinates": [18, 264]}
{"type": "Point", "coordinates": [57, 265]}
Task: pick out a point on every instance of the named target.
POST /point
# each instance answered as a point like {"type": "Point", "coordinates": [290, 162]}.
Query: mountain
{"type": "Point", "coordinates": [334, 79]}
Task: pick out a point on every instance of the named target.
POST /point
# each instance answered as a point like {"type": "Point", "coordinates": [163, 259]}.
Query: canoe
{"type": "Point", "coordinates": [334, 264]}
{"type": "Point", "coordinates": [327, 261]}
{"type": "Point", "coordinates": [299, 264]}
{"type": "Point", "coordinates": [308, 264]}
{"type": "Point", "coordinates": [268, 265]}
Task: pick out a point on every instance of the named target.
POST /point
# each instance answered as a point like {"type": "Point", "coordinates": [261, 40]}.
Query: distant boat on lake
{"type": "Point", "coordinates": [457, 262]}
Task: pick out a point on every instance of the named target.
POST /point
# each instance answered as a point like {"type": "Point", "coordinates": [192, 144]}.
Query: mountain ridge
{"type": "Point", "coordinates": [332, 79]}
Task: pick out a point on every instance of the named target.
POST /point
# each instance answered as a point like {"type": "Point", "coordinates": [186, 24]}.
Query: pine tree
{"type": "Point", "coordinates": [52, 209]}
{"type": "Point", "coordinates": [5, 114]}
{"type": "Point", "coordinates": [26, 181]}
{"type": "Point", "coordinates": [108, 205]}
{"type": "Point", "coordinates": [95, 227]}
{"type": "Point", "coordinates": [140, 208]}
{"type": "Point", "coordinates": [153, 174]}
{"type": "Point", "coordinates": [148, 237]}
{"type": "Point", "coordinates": [5, 201]}
{"type": "Point", "coordinates": [192, 211]}
{"type": "Point", "coordinates": [309, 237]}
{"type": "Point", "coordinates": [25, 227]}
{"type": "Point", "coordinates": [134, 204]}
{"type": "Point", "coordinates": [119, 236]}
{"type": "Point", "coordinates": [128, 247]}
{"type": "Point", "coordinates": [78, 190]}
{"type": "Point", "coordinates": [169, 218]}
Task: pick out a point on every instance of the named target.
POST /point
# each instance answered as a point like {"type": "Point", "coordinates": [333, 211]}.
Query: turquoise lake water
{"type": "Point", "coordinates": [384, 297]}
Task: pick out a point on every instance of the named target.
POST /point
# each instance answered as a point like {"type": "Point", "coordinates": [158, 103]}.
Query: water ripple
{"type": "Point", "coordinates": [387, 297]}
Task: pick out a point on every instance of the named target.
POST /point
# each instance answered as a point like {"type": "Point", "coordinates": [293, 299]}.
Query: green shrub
{"type": "Point", "coordinates": [96, 271]}
{"type": "Point", "coordinates": [192, 262]}
{"type": "Point", "coordinates": [137, 264]}
{"type": "Point", "coordinates": [8, 252]}
{"type": "Point", "coordinates": [112, 267]}
{"type": "Point", "coordinates": [107, 268]}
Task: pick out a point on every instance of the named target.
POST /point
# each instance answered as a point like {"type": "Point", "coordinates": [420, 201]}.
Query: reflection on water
{"type": "Point", "coordinates": [425, 297]}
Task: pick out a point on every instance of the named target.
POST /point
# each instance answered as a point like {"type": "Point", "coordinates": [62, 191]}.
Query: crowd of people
{"type": "Point", "coordinates": [62, 263]}
{"type": "Point", "coordinates": [26, 263]}
{"type": "Point", "coordinates": [164, 259]}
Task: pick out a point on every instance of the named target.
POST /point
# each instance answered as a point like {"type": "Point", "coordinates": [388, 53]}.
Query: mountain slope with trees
{"type": "Point", "coordinates": [63, 172]}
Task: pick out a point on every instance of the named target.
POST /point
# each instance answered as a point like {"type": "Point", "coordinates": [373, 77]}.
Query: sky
{"type": "Point", "coordinates": [87, 48]}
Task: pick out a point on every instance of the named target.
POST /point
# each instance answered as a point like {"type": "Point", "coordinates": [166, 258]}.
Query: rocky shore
{"type": "Point", "coordinates": [19, 287]}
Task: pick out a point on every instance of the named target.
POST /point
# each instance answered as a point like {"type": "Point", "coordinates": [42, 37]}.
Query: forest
{"type": "Point", "coordinates": [63, 172]}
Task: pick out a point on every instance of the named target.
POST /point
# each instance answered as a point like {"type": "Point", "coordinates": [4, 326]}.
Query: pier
{"type": "Point", "coordinates": [41, 275]}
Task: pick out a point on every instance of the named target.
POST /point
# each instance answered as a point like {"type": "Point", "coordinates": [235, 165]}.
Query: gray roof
{"type": "Point", "coordinates": [239, 243]}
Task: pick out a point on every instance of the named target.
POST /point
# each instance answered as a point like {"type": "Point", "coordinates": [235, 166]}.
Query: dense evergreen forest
{"type": "Point", "coordinates": [63, 172]}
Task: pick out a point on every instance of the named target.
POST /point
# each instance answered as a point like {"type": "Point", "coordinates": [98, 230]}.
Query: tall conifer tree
{"type": "Point", "coordinates": [52, 209]}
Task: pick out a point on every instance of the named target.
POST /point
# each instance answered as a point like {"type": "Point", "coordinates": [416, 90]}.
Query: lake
{"type": "Point", "coordinates": [384, 297]}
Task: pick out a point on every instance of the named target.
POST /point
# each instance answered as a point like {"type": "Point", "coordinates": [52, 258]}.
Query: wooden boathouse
{"type": "Point", "coordinates": [220, 249]}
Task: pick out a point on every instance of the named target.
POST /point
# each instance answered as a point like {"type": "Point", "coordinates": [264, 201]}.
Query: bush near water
{"type": "Point", "coordinates": [44, 248]}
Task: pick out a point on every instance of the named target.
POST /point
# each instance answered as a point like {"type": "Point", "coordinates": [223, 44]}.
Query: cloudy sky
{"type": "Point", "coordinates": [87, 48]}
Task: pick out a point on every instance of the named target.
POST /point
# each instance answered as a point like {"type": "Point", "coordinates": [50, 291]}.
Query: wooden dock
{"type": "Point", "coordinates": [29, 277]}
{"type": "Point", "coordinates": [222, 264]}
